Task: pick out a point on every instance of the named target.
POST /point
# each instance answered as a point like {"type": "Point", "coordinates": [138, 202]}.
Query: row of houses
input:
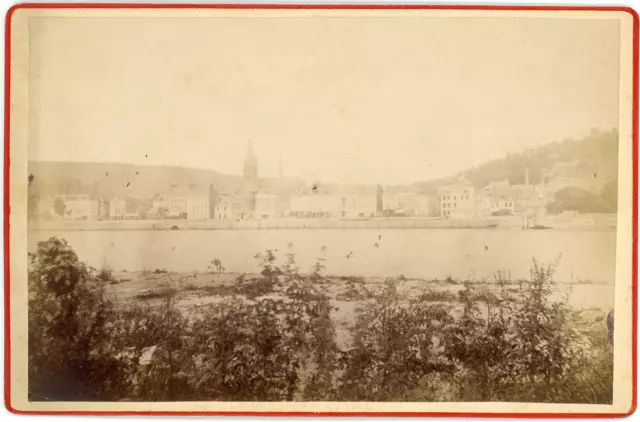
{"type": "Point", "coordinates": [281, 198]}
{"type": "Point", "coordinates": [462, 200]}
{"type": "Point", "coordinates": [456, 201]}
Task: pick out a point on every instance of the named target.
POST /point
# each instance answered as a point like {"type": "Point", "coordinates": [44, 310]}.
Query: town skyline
{"type": "Point", "coordinates": [187, 94]}
{"type": "Point", "coordinates": [281, 169]}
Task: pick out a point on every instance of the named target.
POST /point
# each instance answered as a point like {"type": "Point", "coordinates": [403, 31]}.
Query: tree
{"type": "Point", "coordinates": [71, 355]}
{"type": "Point", "coordinates": [59, 207]}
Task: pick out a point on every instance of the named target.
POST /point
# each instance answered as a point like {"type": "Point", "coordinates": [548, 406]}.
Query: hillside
{"type": "Point", "coordinates": [109, 179]}
{"type": "Point", "coordinates": [597, 152]}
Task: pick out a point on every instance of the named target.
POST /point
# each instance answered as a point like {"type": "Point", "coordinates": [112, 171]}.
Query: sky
{"type": "Point", "coordinates": [339, 100]}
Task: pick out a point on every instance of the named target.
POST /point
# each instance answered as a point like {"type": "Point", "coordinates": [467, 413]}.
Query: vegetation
{"type": "Point", "coordinates": [215, 266]}
{"type": "Point", "coordinates": [576, 199]}
{"type": "Point", "coordinates": [599, 150]}
{"type": "Point", "coordinates": [105, 275]}
{"type": "Point", "coordinates": [273, 337]}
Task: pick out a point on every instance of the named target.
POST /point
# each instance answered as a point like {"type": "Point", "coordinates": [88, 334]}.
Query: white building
{"type": "Point", "coordinates": [80, 207]}
{"type": "Point", "coordinates": [458, 200]}
{"type": "Point", "coordinates": [190, 202]}
{"type": "Point", "coordinates": [315, 205]}
{"type": "Point", "coordinates": [117, 208]}
{"type": "Point", "coordinates": [266, 205]}
{"type": "Point", "coordinates": [198, 208]}
{"type": "Point", "coordinates": [411, 204]}
{"type": "Point", "coordinates": [223, 209]}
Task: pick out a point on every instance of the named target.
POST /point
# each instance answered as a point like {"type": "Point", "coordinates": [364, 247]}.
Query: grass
{"type": "Point", "coordinates": [431, 295]}
{"type": "Point", "coordinates": [218, 290]}
{"type": "Point", "coordinates": [450, 280]}
{"type": "Point", "coordinates": [352, 279]}
{"type": "Point", "coordinates": [157, 293]}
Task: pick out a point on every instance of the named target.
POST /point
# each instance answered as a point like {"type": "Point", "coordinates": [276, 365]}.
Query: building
{"type": "Point", "coordinates": [250, 170]}
{"type": "Point", "coordinates": [223, 207]}
{"type": "Point", "coordinates": [242, 205]}
{"type": "Point", "coordinates": [103, 209]}
{"type": "Point", "coordinates": [79, 207]}
{"type": "Point", "coordinates": [156, 213]}
{"type": "Point", "coordinates": [360, 201]}
{"type": "Point", "coordinates": [338, 202]}
{"type": "Point", "coordinates": [458, 200]}
{"type": "Point", "coordinates": [161, 202]}
{"type": "Point", "coordinates": [525, 200]}
{"type": "Point", "coordinates": [530, 204]}
{"type": "Point", "coordinates": [499, 199]}
{"type": "Point", "coordinates": [411, 204]}
{"type": "Point", "coordinates": [133, 208]}
{"type": "Point", "coordinates": [116, 208]}
{"type": "Point", "coordinates": [266, 205]}
{"type": "Point", "coordinates": [315, 205]}
{"type": "Point", "coordinates": [190, 202]}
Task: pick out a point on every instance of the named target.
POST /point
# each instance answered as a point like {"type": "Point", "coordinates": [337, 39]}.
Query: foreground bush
{"type": "Point", "coordinates": [395, 347]}
{"type": "Point", "coordinates": [71, 356]}
{"type": "Point", "coordinates": [272, 338]}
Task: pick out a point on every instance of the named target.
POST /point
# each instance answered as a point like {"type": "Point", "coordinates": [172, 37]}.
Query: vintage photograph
{"type": "Point", "coordinates": [313, 207]}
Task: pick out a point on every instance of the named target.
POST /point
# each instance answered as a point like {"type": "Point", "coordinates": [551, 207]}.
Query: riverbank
{"type": "Point", "coordinates": [582, 222]}
{"type": "Point", "coordinates": [311, 330]}
{"type": "Point", "coordinates": [194, 289]}
{"type": "Point", "coordinates": [194, 292]}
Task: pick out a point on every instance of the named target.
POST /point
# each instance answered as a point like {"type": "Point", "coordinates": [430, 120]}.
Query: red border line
{"type": "Point", "coordinates": [7, 211]}
{"type": "Point", "coordinates": [7, 208]}
{"type": "Point", "coordinates": [313, 6]}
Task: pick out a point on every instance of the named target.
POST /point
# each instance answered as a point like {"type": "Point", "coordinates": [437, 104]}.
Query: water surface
{"type": "Point", "coordinates": [585, 255]}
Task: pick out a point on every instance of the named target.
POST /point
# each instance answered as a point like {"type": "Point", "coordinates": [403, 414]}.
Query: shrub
{"type": "Point", "coordinates": [71, 355]}
{"type": "Point", "coordinates": [105, 275]}
{"type": "Point", "coordinates": [354, 289]}
{"type": "Point", "coordinates": [157, 293]}
{"type": "Point", "coordinates": [257, 348]}
{"type": "Point", "coordinates": [395, 347]}
{"type": "Point", "coordinates": [169, 374]}
{"type": "Point", "coordinates": [216, 266]}
{"type": "Point", "coordinates": [273, 338]}
{"type": "Point", "coordinates": [431, 295]}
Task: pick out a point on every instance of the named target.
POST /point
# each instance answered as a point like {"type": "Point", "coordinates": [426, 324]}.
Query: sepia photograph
{"type": "Point", "coordinates": [292, 209]}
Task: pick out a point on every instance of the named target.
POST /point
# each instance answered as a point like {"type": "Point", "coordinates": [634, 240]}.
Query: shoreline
{"type": "Point", "coordinates": [194, 288]}
{"type": "Point", "coordinates": [600, 222]}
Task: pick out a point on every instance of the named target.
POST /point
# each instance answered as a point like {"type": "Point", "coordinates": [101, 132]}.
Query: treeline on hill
{"type": "Point", "coordinates": [576, 199]}
{"type": "Point", "coordinates": [273, 339]}
{"type": "Point", "coordinates": [596, 152]}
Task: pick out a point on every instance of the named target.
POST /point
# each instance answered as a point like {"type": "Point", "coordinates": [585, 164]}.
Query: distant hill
{"type": "Point", "coordinates": [596, 153]}
{"type": "Point", "coordinates": [110, 179]}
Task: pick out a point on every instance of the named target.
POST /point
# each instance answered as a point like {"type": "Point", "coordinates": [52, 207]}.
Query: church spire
{"type": "Point", "coordinates": [250, 165]}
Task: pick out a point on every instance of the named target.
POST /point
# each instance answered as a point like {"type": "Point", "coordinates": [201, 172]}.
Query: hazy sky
{"type": "Point", "coordinates": [387, 100]}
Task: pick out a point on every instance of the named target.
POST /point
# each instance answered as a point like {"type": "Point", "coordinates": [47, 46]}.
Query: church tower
{"type": "Point", "coordinates": [250, 165]}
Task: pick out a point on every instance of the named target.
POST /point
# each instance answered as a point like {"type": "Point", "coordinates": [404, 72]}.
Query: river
{"type": "Point", "coordinates": [586, 255]}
